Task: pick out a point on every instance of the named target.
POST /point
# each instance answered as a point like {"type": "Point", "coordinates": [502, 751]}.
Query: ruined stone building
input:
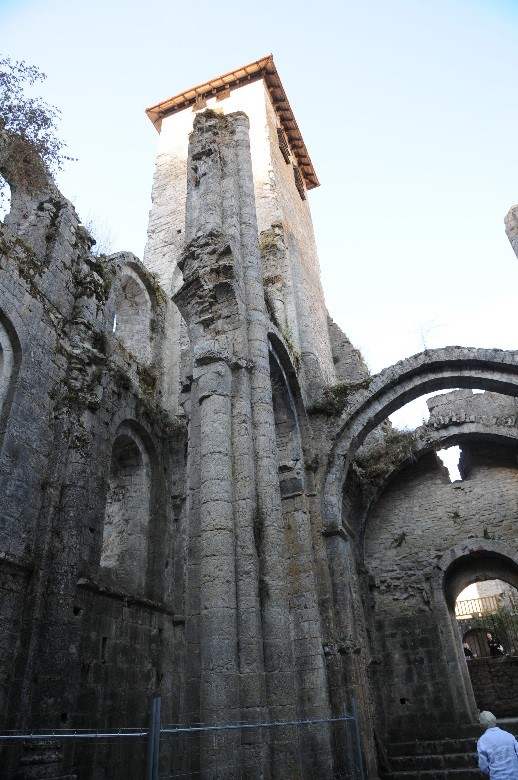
{"type": "Point", "coordinates": [201, 497]}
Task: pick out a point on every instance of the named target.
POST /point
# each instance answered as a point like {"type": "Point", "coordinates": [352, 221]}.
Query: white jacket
{"type": "Point", "coordinates": [498, 754]}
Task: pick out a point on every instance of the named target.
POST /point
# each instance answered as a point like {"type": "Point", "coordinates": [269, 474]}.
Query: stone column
{"type": "Point", "coordinates": [252, 688]}
{"type": "Point", "coordinates": [211, 300]}
{"type": "Point", "coordinates": [218, 630]}
{"type": "Point", "coordinates": [273, 584]}
{"type": "Point", "coordinates": [349, 655]}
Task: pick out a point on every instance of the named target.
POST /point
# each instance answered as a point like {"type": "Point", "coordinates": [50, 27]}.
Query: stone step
{"type": "Point", "coordinates": [431, 747]}
{"type": "Point", "coordinates": [433, 762]}
{"type": "Point", "coordinates": [435, 774]}
{"type": "Point", "coordinates": [440, 757]}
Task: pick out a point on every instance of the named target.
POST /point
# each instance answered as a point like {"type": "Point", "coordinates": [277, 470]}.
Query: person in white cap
{"type": "Point", "coordinates": [497, 750]}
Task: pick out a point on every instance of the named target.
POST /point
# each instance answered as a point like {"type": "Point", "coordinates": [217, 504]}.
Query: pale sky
{"type": "Point", "coordinates": [408, 109]}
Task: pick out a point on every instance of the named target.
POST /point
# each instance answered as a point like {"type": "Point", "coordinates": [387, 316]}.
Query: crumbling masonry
{"type": "Point", "coordinates": [200, 495]}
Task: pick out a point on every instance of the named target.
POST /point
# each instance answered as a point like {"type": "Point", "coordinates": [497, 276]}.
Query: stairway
{"type": "Point", "coordinates": [435, 759]}
{"type": "Point", "coordinates": [440, 759]}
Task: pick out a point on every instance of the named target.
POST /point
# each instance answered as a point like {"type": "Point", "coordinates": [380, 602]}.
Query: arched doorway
{"type": "Point", "coordinates": [488, 606]}
{"type": "Point", "coordinates": [420, 671]}
{"type": "Point", "coordinates": [487, 625]}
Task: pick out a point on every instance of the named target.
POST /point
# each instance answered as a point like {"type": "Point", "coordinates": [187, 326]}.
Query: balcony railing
{"type": "Point", "coordinates": [476, 607]}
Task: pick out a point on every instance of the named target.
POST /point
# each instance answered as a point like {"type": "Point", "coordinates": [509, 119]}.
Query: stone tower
{"type": "Point", "coordinates": [230, 236]}
{"type": "Point", "coordinates": [200, 179]}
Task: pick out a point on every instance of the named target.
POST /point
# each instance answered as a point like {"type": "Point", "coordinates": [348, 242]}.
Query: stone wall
{"type": "Point", "coordinates": [495, 684]}
{"type": "Point", "coordinates": [491, 410]}
{"type": "Point", "coordinates": [423, 514]}
{"type": "Point", "coordinates": [83, 641]}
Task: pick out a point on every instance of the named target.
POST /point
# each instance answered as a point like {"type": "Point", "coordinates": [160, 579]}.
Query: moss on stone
{"type": "Point", "coordinates": [122, 379]}
{"type": "Point", "coordinates": [335, 397]}
{"type": "Point", "coordinates": [148, 380]}
{"type": "Point", "coordinates": [374, 466]}
{"type": "Point", "coordinates": [160, 418]}
{"type": "Point", "coordinates": [100, 341]}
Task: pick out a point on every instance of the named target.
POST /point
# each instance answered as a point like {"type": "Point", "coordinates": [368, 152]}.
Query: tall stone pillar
{"type": "Point", "coordinates": [243, 578]}
{"type": "Point", "coordinates": [219, 686]}
{"type": "Point", "coordinates": [211, 299]}
{"type": "Point", "coordinates": [273, 585]}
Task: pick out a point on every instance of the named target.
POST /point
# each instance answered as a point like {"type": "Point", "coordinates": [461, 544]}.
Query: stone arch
{"type": "Point", "coordinates": [133, 312]}
{"type": "Point", "coordinates": [450, 367]}
{"type": "Point", "coordinates": [127, 517]}
{"type": "Point", "coordinates": [474, 560]}
{"type": "Point", "coordinates": [10, 359]}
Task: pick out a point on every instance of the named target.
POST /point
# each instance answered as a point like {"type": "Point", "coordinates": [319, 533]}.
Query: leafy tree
{"type": "Point", "coordinates": [30, 119]}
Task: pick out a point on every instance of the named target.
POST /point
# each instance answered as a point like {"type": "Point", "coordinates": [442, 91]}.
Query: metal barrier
{"type": "Point", "coordinates": [309, 749]}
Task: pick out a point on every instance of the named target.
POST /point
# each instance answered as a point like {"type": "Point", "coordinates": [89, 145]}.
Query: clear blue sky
{"type": "Point", "coordinates": [408, 109]}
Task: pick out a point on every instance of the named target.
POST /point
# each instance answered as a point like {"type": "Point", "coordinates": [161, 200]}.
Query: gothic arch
{"type": "Point", "coordinates": [127, 517]}
{"type": "Point", "coordinates": [450, 367]}
{"type": "Point", "coordinates": [473, 560]}
{"type": "Point", "coordinates": [133, 312]}
{"type": "Point", "coordinates": [10, 359]}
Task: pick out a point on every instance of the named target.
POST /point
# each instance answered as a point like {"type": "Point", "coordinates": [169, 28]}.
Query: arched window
{"type": "Point", "coordinates": [133, 315]}
{"type": "Point", "coordinates": [127, 513]}
{"type": "Point", "coordinates": [10, 354]}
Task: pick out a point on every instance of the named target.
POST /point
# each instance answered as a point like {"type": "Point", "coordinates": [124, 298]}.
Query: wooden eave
{"type": "Point", "coordinates": [260, 69]}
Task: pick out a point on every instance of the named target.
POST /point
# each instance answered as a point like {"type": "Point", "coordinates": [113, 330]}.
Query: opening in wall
{"type": "Point", "coordinates": [5, 199]}
{"type": "Point", "coordinates": [450, 457]}
{"type": "Point", "coordinates": [126, 519]}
